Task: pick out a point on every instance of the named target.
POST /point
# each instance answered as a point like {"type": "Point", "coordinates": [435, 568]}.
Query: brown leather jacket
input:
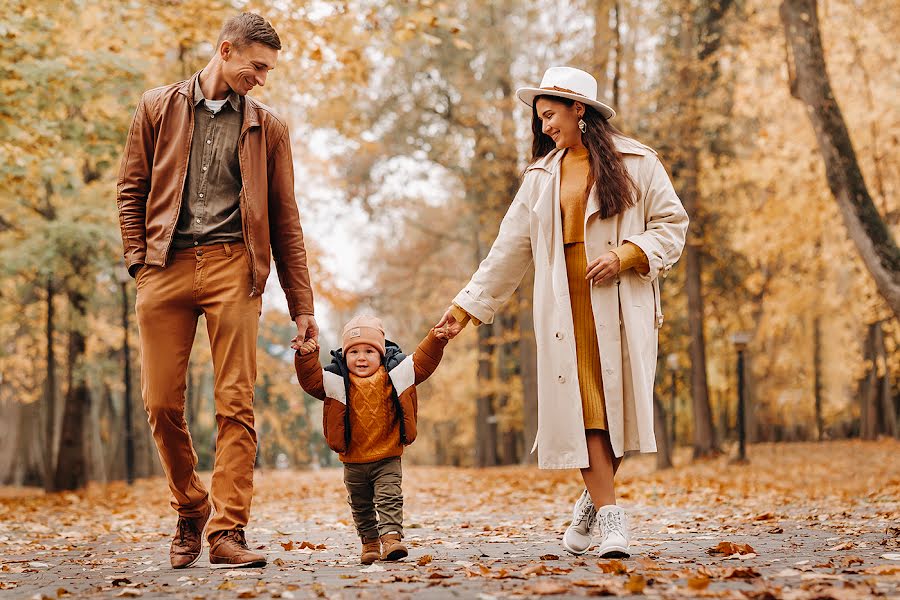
{"type": "Point", "coordinates": [151, 185]}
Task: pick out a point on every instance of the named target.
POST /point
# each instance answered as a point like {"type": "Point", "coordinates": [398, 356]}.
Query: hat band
{"type": "Point", "coordinates": [561, 89]}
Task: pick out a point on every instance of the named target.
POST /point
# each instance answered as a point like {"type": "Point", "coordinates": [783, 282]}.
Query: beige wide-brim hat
{"type": "Point", "coordinates": [567, 82]}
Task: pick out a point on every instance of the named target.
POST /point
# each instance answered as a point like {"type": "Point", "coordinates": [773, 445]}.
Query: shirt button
{"type": "Point", "coordinates": [199, 252]}
{"type": "Point", "coordinates": [201, 195]}
{"type": "Point", "coordinates": [205, 168]}
{"type": "Point", "coordinates": [559, 335]}
{"type": "Point", "coordinates": [209, 141]}
{"type": "Point", "coordinates": [198, 219]}
{"type": "Point", "coordinates": [561, 379]}
{"type": "Point", "coordinates": [195, 243]}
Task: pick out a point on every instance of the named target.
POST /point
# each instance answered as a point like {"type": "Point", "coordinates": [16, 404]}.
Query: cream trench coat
{"type": "Point", "coordinates": [627, 311]}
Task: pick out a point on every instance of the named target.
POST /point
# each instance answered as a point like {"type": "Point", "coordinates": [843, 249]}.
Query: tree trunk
{"type": "Point", "coordinates": [617, 65]}
{"type": "Point", "coordinates": [485, 419]}
{"type": "Point", "coordinates": [71, 466]}
{"type": "Point", "coordinates": [809, 83]}
{"type": "Point", "coordinates": [603, 42]}
{"type": "Point", "coordinates": [663, 436]}
{"type": "Point", "coordinates": [883, 408]}
{"type": "Point", "coordinates": [868, 427]}
{"type": "Point", "coordinates": [817, 377]}
{"type": "Point", "coordinates": [50, 385]}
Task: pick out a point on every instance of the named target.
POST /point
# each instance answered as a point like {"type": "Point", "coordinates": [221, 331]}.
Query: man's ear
{"type": "Point", "coordinates": [225, 50]}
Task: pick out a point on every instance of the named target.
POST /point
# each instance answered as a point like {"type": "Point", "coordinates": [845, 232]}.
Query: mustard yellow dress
{"type": "Point", "coordinates": [573, 188]}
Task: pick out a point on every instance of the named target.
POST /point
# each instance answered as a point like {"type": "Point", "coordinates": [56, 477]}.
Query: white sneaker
{"type": "Point", "coordinates": [614, 529]}
{"type": "Point", "coordinates": [578, 538]}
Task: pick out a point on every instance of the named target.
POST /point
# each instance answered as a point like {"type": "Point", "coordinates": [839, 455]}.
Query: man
{"type": "Point", "coordinates": [204, 190]}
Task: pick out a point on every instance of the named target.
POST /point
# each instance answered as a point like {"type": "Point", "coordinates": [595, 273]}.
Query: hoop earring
{"type": "Point", "coordinates": [582, 125]}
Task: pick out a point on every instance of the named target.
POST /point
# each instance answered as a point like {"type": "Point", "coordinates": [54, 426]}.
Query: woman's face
{"type": "Point", "coordinates": [560, 122]}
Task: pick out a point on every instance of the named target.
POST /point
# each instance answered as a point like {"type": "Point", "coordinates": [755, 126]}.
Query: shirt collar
{"type": "Point", "coordinates": [234, 100]}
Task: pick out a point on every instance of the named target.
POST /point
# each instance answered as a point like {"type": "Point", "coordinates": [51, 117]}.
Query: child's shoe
{"type": "Point", "coordinates": [371, 551]}
{"type": "Point", "coordinates": [577, 538]}
{"type": "Point", "coordinates": [392, 547]}
{"type": "Point", "coordinates": [614, 528]}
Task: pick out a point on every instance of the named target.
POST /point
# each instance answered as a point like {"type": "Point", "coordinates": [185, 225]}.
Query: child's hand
{"type": "Point", "coordinates": [442, 333]}
{"type": "Point", "coordinates": [308, 347]}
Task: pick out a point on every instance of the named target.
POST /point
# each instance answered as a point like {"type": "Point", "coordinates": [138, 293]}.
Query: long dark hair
{"type": "Point", "coordinates": [616, 190]}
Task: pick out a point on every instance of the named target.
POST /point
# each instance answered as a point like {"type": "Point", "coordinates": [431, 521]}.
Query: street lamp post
{"type": "Point", "coordinates": [124, 278]}
{"type": "Point", "coordinates": [740, 341]}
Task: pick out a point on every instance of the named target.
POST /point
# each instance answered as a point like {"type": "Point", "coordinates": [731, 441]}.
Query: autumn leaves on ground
{"type": "Point", "coordinates": [800, 521]}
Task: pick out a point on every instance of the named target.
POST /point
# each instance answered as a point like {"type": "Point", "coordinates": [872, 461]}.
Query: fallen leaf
{"type": "Point", "coordinates": [844, 546]}
{"type": "Point", "coordinates": [636, 583]}
{"type": "Point", "coordinates": [424, 560]}
{"type": "Point", "coordinates": [699, 582]}
{"type": "Point", "coordinates": [731, 548]}
{"type": "Point", "coordinates": [129, 592]}
{"type": "Point", "coordinates": [613, 566]}
{"type": "Point", "coordinates": [548, 588]}
{"type": "Point", "coordinates": [247, 593]}
{"type": "Point", "coordinates": [439, 575]}
{"type": "Point", "coordinates": [278, 562]}
{"type": "Point", "coordinates": [549, 557]}
{"type": "Point", "coordinates": [883, 570]}
{"type": "Point", "coordinates": [288, 546]}
{"type": "Point", "coordinates": [740, 573]}
{"type": "Point", "coordinates": [849, 561]}
{"type": "Point", "coordinates": [373, 568]}
{"type": "Point", "coordinates": [538, 569]}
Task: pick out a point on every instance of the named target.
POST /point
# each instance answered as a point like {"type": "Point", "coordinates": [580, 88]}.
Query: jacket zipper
{"type": "Point", "coordinates": [181, 193]}
{"type": "Point", "coordinates": [244, 225]}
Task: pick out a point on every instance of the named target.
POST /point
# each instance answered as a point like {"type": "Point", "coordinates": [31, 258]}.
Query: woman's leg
{"type": "Point", "coordinates": [598, 477]}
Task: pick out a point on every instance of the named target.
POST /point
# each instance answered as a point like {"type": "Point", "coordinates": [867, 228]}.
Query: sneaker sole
{"type": "Point", "coordinates": [573, 551]}
{"type": "Point", "coordinates": [190, 564]}
{"type": "Point", "coordinates": [615, 553]}
{"type": "Point", "coordinates": [246, 565]}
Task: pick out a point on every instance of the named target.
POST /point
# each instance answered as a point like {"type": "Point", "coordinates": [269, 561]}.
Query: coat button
{"type": "Point", "coordinates": [559, 335]}
{"type": "Point", "coordinates": [561, 379]}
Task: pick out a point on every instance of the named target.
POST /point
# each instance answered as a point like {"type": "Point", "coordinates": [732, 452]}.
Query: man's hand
{"type": "Point", "coordinates": [603, 269]}
{"type": "Point", "coordinates": [448, 325]}
{"type": "Point", "coordinates": [307, 329]}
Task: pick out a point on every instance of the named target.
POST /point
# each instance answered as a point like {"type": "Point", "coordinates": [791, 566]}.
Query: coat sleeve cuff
{"type": "Point", "coordinates": [632, 257]}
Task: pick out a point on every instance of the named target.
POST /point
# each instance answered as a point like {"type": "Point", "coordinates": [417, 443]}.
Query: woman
{"type": "Point", "coordinates": [597, 214]}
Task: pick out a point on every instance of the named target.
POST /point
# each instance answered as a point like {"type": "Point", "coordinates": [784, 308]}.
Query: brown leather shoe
{"type": "Point", "coordinates": [392, 548]}
{"type": "Point", "coordinates": [188, 541]}
{"type": "Point", "coordinates": [230, 549]}
{"type": "Point", "coordinates": [371, 551]}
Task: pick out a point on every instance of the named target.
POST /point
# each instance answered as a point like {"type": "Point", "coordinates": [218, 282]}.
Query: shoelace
{"type": "Point", "coordinates": [239, 538]}
{"type": "Point", "coordinates": [185, 526]}
{"type": "Point", "coordinates": [588, 512]}
{"type": "Point", "coordinates": [614, 521]}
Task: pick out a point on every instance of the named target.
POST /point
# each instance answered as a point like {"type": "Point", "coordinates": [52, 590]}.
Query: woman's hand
{"type": "Point", "coordinates": [604, 269]}
{"type": "Point", "coordinates": [448, 324]}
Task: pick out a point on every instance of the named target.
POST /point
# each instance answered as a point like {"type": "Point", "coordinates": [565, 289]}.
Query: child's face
{"type": "Point", "coordinates": [363, 359]}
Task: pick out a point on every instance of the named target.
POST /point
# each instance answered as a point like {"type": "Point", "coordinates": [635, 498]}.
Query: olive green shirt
{"type": "Point", "coordinates": [210, 207]}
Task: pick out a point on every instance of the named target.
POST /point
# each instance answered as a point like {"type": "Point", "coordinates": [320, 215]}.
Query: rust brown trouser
{"type": "Point", "coordinates": [213, 281]}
